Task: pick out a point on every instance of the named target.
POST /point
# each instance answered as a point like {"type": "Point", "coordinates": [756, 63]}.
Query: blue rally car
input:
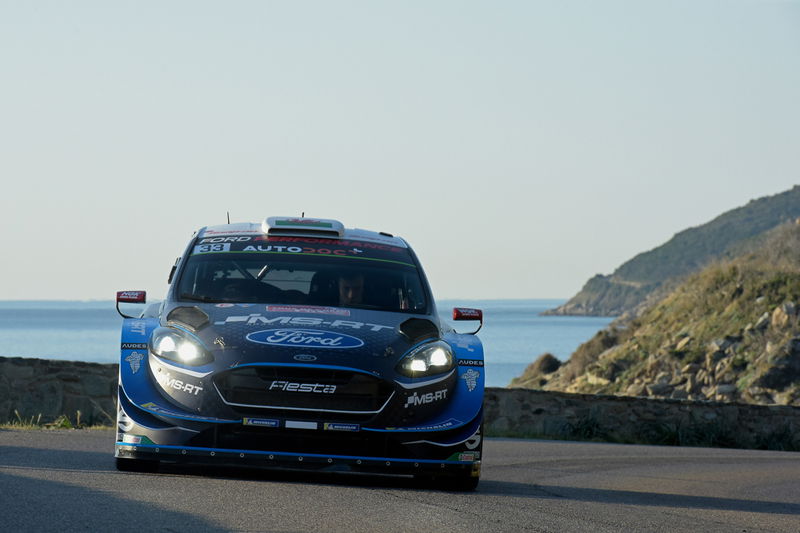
{"type": "Point", "coordinates": [299, 344]}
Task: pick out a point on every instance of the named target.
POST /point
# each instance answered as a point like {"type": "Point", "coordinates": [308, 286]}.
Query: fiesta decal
{"type": "Point", "coordinates": [308, 338]}
{"type": "Point", "coordinates": [290, 386]}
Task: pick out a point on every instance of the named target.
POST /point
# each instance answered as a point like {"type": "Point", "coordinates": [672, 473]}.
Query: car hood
{"type": "Point", "coordinates": [244, 334]}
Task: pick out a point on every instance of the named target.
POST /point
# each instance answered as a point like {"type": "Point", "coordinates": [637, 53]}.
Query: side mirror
{"type": "Point", "coordinates": [468, 313]}
{"type": "Point", "coordinates": [130, 297]}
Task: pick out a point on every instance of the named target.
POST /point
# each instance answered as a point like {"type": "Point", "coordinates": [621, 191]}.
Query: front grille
{"type": "Point", "coordinates": [305, 389]}
{"type": "Point", "coordinates": [282, 440]}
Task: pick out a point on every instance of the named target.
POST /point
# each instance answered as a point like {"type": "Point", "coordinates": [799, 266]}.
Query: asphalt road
{"type": "Point", "coordinates": [66, 481]}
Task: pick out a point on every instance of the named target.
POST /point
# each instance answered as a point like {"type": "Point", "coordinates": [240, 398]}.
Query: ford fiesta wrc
{"type": "Point", "coordinates": [299, 344]}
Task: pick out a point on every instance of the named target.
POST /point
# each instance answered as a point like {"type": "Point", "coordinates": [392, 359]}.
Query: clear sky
{"type": "Point", "coordinates": [519, 146]}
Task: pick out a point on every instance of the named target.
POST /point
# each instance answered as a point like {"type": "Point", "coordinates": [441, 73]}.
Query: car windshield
{"type": "Point", "coordinates": [386, 280]}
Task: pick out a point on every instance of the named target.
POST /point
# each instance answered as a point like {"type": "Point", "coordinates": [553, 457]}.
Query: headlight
{"type": "Point", "coordinates": [427, 360]}
{"type": "Point", "coordinates": [178, 346]}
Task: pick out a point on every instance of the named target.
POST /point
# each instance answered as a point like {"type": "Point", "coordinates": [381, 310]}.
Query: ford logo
{"type": "Point", "coordinates": [308, 338]}
{"type": "Point", "coordinates": [305, 358]}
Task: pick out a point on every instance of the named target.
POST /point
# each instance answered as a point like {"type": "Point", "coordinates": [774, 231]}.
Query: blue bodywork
{"type": "Point", "coordinates": [169, 412]}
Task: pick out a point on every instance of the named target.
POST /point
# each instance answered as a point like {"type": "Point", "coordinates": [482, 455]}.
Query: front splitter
{"type": "Point", "coordinates": [291, 461]}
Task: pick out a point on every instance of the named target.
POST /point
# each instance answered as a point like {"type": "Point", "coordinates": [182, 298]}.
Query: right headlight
{"type": "Point", "coordinates": [176, 345]}
{"type": "Point", "coordinates": [427, 360]}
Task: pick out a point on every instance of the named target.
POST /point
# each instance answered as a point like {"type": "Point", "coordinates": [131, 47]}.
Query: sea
{"type": "Point", "coordinates": [514, 333]}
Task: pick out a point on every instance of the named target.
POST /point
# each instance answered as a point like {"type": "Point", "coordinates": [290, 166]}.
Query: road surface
{"type": "Point", "coordinates": [65, 480]}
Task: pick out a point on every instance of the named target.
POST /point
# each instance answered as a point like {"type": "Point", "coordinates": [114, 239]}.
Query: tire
{"type": "Point", "coordinates": [136, 465]}
{"type": "Point", "coordinates": [465, 483]}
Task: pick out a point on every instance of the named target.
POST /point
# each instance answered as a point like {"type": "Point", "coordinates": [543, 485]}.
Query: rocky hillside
{"type": "Point", "coordinates": [730, 332]}
{"type": "Point", "coordinates": [653, 273]}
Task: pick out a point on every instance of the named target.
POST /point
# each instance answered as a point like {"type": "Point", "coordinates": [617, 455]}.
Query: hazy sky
{"type": "Point", "coordinates": [520, 147]}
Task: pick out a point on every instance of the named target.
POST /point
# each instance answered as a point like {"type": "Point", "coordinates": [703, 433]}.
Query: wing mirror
{"type": "Point", "coordinates": [468, 313]}
{"type": "Point", "coordinates": [130, 297]}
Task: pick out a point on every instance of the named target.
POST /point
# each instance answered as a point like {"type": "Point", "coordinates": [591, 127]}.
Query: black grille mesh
{"type": "Point", "coordinates": [302, 388]}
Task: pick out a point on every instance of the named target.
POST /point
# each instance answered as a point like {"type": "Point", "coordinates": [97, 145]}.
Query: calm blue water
{"type": "Point", "coordinates": [513, 334]}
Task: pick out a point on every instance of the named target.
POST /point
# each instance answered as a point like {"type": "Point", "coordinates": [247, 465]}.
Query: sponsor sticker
{"type": "Point", "coordinates": [331, 426]}
{"type": "Point", "coordinates": [357, 245]}
{"type": "Point", "coordinates": [261, 422]}
{"type": "Point", "coordinates": [465, 313]}
{"type": "Point", "coordinates": [229, 232]}
{"type": "Point", "coordinates": [303, 222]}
{"type": "Point", "coordinates": [212, 248]}
{"type": "Point", "coordinates": [139, 326]}
{"type": "Point", "coordinates": [308, 338]}
{"type": "Point", "coordinates": [299, 424]}
{"type": "Point", "coordinates": [135, 360]}
{"type": "Point", "coordinates": [131, 439]}
{"type": "Point", "coordinates": [224, 306]}
{"type": "Point", "coordinates": [168, 382]}
{"type": "Point", "coordinates": [470, 377]}
{"type": "Point", "coordinates": [155, 408]}
{"type": "Point", "coordinates": [452, 422]}
{"type": "Point", "coordinates": [470, 362]}
{"type": "Point", "coordinates": [133, 346]}
{"type": "Point", "coordinates": [304, 358]}
{"type": "Point", "coordinates": [124, 422]}
{"type": "Point", "coordinates": [468, 456]}
{"type": "Point", "coordinates": [308, 309]}
{"type": "Point", "coordinates": [137, 297]}
{"type": "Point", "coordinates": [422, 399]}
{"type": "Point", "coordinates": [215, 240]}
{"type": "Point", "coordinates": [257, 319]}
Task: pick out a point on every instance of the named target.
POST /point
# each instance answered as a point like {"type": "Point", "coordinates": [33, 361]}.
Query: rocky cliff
{"type": "Point", "coordinates": [728, 333]}
{"type": "Point", "coordinates": [651, 274]}
{"type": "Point", "coordinates": [53, 393]}
{"type": "Point", "coordinates": [41, 390]}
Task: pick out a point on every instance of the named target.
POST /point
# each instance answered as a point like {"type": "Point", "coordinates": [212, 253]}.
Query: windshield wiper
{"type": "Point", "coordinates": [200, 298]}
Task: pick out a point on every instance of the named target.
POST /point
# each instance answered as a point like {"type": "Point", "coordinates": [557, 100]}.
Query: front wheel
{"type": "Point", "coordinates": [465, 483]}
{"type": "Point", "coordinates": [136, 465]}
{"type": "Point", "coordinates": [456, 483]}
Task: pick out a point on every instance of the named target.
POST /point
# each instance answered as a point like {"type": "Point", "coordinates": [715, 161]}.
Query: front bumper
{"type": "Point", "coordinates": [280, 444]}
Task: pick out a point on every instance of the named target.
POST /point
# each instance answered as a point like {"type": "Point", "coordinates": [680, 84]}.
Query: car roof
{"type": "Point", "coordinates": [302, 227]}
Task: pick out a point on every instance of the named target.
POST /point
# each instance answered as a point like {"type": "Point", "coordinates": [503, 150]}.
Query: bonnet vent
{"type": "Point", "coordinates": [419, 329]}
{"type": "Point", "coordinates": [192, 317]}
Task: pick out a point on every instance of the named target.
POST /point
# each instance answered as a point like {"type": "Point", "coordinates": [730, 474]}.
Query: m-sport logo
{"type": "Point", "coordinates": [309, 338]}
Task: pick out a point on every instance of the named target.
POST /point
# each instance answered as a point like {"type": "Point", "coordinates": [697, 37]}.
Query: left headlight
{"type": "Point", "coordinates": [178, 346]}
{"type": "Point", "coordinates": [427, 360]}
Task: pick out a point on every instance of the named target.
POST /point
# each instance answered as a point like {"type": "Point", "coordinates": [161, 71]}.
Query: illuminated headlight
{"type": "Point", "coordinates": [427, 360]}
{"type": "Point", "coordinates": [178, 346]}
